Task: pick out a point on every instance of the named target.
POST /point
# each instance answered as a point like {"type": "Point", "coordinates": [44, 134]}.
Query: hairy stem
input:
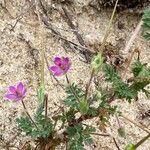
{"type": "Point", "coordinates": [88, 85]}
{"type": "Point", "coordinates": [108, 28]}
{"type": "Point", "coordinates": [28, 114]}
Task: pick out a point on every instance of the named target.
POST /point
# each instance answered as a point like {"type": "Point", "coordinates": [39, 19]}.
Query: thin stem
{"type": "Point", "coordinates": [118, 121]}
{"type": "Point", "coordinates": [46, 104]}
{"type": "Point", "coordinates": [42, 39]}
{"type": "Point", "coordinates": [141, 127]}
{"type": "Point", "coordinates": [28, 114]}
{"type": "Point", "coordinates": [142, 141]}
{"type": "Point", "coordinates": [42, 67]}
{"type": "Point", "coordinates": [67, 79]}
{"type": "Point", "coordinates": [88, 85]}
{"type": "Point", "coordinates": [128, 64]}
{"type": "Point", "coordinates": [108, 28]}
{"type": "Point", "coordinates": [99, 134]}
{"type": "Point", "coordinates": [116, 143]}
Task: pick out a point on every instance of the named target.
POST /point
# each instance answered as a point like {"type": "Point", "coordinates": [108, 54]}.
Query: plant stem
{"type": "Point", "coordinates": [28, 114]}
{"type": "Point", "coordinates": [108, 28]}
{"type": "Point", "coordinates": [67, 79]}
{"type": "Point", "coordinates": [99, 134]}
{"type": "Point", "coordinates": [88, 85]}
{"type": "Point", "coordinates": [42, 67]}
{"type": "Point", "coordinates": [116, 143]}
{"type": "Point", "coordinates": [142, 141]}
{"type": "Point", "coordinates": [118, 121]}
{"type": "Point", "coordinates": [46, 104]}
{"type": "Point", "coordinates": [128, 64]}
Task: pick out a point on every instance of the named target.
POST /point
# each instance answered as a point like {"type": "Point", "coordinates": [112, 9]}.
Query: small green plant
{"type": "Point", "coordinates": [80, 105]}
{"type": "Point", "coordinates": [70, 126]}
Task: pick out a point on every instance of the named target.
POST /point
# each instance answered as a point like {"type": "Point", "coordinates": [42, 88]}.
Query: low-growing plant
{"type": "Point", "coordinates": [70, 126]}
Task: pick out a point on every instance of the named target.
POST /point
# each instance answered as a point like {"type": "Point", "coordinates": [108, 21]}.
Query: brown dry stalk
{"type": "Point", "coordinates": [108, 28]}
{"type": "Point", "coordinates": [140, 126]}
{"type": "Point", "coordinates": [133, 36]}
{"type": "Point", "coordinates": [128, 63]}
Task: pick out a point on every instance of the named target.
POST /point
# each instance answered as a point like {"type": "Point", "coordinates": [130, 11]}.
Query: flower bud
{"type": "Point", "coordinates": [97, 62]}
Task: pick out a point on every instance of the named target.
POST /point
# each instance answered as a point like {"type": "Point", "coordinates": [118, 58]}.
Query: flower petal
{"type": "Point", "coordinates": [66, 63]}
{"type": "Point", "coordinates": [24, 92]}
{"type": "Point", "coordinates": [54, 68]}
{"type": "Point", "coordinates": [66, 60]}
{"type": "Point", "coordinates": [11, 96]}
{"type": "Point", "coordinates": [57, 61]}
{"type": "Point", "coordinates": [20, 87]}
{"type": "Point", "coordinates": [59, 72]}
{"type": "Point", "coordinates": [12, 89]}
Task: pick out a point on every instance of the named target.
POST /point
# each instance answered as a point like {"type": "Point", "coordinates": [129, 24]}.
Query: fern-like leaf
{"type": "Point", "coordinates": [146, 24]}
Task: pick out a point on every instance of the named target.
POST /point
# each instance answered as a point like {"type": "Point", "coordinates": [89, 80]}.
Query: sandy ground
{"type": "Point", "coordinates": [19, 62]}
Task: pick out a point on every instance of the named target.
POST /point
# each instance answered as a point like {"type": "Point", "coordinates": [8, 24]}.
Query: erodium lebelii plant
{"type": "Point", "coordinates": [69, 126]}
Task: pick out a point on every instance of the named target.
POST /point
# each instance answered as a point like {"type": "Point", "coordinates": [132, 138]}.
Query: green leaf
{"type": "Point", "coordinates": [141, 77]}
{"type": "Point", "coordinates": [121, 89]}
{"type": "Point", "coordinates": [78, 136]}
{"type": "Point", "coordinates": [92, 111]}
{"type": "Point", "coordinates": [25, 124]}
{"type": "Point", "coordinates": [74, 93]}
{"type": "Point", "coordinates": [40, 93]}
{"type": "Point", "coordinates": [75, 137]}
{"type": "Point", "coordinates": [68, 116]}
{"type": "Point", "coordinates": [83, 106]}
{"type": "Point", "coordinates": [86, 135]}
{"type": "Point", "coordinates": [121, 132]}
{"type": "Point", "coordinates": [110, 74]}
{"type": "Point", "coordinates": [146, 24]}
{"type": "Point", "coordinates": [44, 124]}
{"type": "Point", "coordinates": [137, 67]}
{"type": "Point", "coordinates": [130, 147]}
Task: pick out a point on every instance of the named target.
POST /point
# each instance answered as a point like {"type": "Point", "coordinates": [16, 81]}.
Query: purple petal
{"type": "Point", "coordinates": [24, 92]}
{"type": "Point", "coordinates": [20, 87]}
{"type": "Point", "coordinates": [66, 63]}
{"type": "Point", "coordinates": [54, 68]}
{"type": "Point", "coordinates": [11, 96]}
{"type": "Point", "coordinates": [59, 72]}
{"type": "Point", "coordinates": [57, 61]}
{"type": "Point", "coordinates": [12, 89]}
{"type": "Point", "coordinates": [66, 60]}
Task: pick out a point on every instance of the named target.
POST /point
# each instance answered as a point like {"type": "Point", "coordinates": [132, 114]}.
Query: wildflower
{"type": "Point", "coordinates": [17, 92]}
{"type": "Point", "coordinates": [61, 66]}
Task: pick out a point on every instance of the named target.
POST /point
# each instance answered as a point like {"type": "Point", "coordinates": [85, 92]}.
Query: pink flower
{"type": "Point", "coordinates": [17, 92]}
{"type": "Point", "coordinates": [61, 66]}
